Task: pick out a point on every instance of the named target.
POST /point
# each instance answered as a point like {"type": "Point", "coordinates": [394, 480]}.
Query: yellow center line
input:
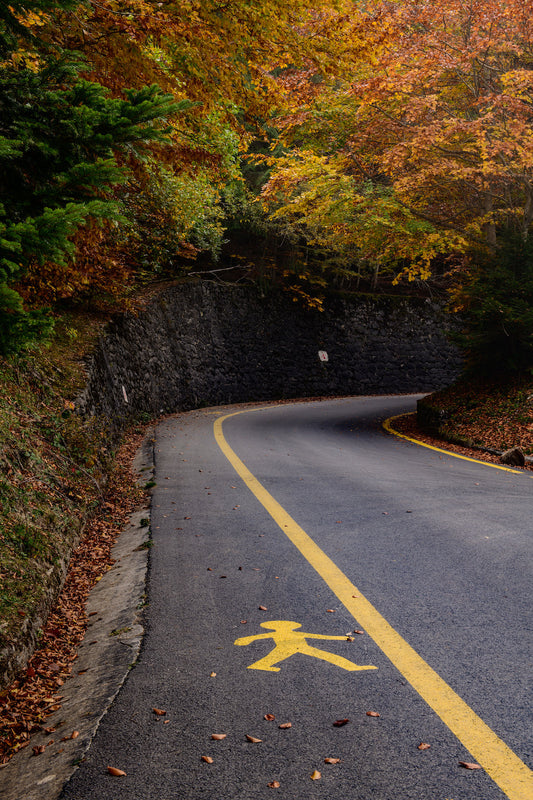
{"type": "Point", "coordinates": [513, 777]}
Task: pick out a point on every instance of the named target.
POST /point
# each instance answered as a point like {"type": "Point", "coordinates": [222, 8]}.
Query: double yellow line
{"type": "Point", "coordinates": [513, 777]}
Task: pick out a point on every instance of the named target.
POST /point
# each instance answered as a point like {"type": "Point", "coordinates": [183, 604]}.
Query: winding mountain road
{"type": "Point", "coordinates": [310, 567]}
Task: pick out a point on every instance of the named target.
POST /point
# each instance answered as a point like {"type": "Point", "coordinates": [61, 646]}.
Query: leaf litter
{"type": "Point", "coordinates": [31, 698]}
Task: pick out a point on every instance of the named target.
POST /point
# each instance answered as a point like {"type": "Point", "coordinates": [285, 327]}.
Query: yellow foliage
{"type": "Point", "coordinates": [426, 150]}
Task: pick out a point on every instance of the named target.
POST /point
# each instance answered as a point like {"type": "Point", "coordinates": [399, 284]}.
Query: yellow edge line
{"type": "Point", "coordinates": [513, 777]}
{"type": "Point", "coordinates": [388, 427]}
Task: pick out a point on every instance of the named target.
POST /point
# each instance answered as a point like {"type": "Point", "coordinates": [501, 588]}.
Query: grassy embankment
{"type": "Point", "coordinates": [65, 492]}
{"type": "Point", "coordinates": [53, 466]}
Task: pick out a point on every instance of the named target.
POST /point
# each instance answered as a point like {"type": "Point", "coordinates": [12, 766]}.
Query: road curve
{"type": "Point", "coordinates": [439, 549]}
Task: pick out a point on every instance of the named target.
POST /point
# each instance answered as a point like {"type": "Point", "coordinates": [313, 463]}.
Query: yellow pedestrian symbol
{"type": "Point", "coordinates": [289, 641]}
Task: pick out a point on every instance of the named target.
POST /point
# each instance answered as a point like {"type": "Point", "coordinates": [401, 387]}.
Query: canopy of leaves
{"type": "Point", "coordinates": [432, 131]}
{"type": "Point", "coordinates": [384, 139]}
{"type": "Point", "coordinates": [101, 159]}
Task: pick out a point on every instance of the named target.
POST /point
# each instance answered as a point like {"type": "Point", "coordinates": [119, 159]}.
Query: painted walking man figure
{"type": "Point", "coordinates": [289, 641]}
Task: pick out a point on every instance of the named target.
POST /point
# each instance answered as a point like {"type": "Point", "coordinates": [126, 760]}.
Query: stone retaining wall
{"type": "Point", "coordinates": [203, 344]}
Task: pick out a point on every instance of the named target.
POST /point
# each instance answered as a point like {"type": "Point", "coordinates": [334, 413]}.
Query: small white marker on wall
{"type": "Point", "coordinates": [124, 395]}
{"type": "Point", "coordinates": [323, 356]}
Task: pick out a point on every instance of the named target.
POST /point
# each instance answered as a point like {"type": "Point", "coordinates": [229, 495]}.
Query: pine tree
{"type": "Point", "coordinates": [60, 136]}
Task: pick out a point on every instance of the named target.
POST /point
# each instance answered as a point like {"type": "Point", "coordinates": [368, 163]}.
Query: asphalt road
{"type": "Point", "coordinates": [428, 555]}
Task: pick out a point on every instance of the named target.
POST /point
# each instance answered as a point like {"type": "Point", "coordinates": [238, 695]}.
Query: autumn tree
{"type": "Point", "coordinates": [430, 137]}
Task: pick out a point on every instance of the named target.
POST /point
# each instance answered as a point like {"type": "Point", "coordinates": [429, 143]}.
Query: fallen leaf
{"type": "Point", "coordinates": [330, 610]}
{"type": "Point", "coordinates": [269, 717]}
{"type": "Point", "coordinates": [244, 621]}
{"type": "Point", "coordinates": [39, 749]}
{"type": "Point", "coordinates": [218, 736]}
{"type": "Point", "coordinates": [372, 714]}
{"type": "Point", "coordinates": [118, 773]}
{"type": "Point", "coordinates": [263, 608]}
{"type": "Point", "coordinates": [285, 725]}
{"type": "Point", "coordinates": [316, 775]}
{"type": "Point", "coordinates": [340, 722]}
{"type": "Point", "coordinates": [331, 760]}
{"type": "Point", "coordinates": [74, 734]}
{"type": "Point", "coordinates": [166, 722]}
{"type": "Point", "coordinates": [350, 639]}
{"type": "Point", "coordinates": [359, 632]}
{"type": "Point", "coordinates": [274, 785]}
{"type": "Point", "coordinates": [213, 675]}
{"type": "Point", "coordinates": [469, 765]}
{"type": "Point", "coordinates": [424, 746]}
{"type": "Point", "coordinates": [159, 712]}
{"type": "Point", "coordinates": [253, 739]}
{"type": "Point", "coordinates": [207, 759]}
{"type": "Point", "coordinates": [49, 730]}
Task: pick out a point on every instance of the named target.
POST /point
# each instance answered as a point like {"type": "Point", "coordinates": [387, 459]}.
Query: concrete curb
{"type": "Point", "coordinates": [109, 650]}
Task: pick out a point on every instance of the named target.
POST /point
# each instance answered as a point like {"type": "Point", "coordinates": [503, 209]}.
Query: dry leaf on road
{"type": "Point", "coordinates": [253, 739]}
{"type": "Point", "coordinates": [424, 746]}
{"type": "Point", "coordinates": [340, 722]}
{"type": "Point", "coordinates": [331, 760]}
{"type": "Point", "coordinates": [274, 785]}
{"type": "Point", "coordinates": [269, 717]}
{"type": "Point", "coordinates": [373, 714]}
{"type": "Point", "coordinates": [207, 759]}
{"type": "Point", "coordinates": [159, 712]}
{"type": "Point", "coordinates": [316, 775]}
{"type": "Point", "coordinates": [285, 725]}
{"type": "Point", "coordinates": [218, 736]}
{"type": "Point", "coordinates": [469, 765]}
{"type": "Point", "coordinates": [118, 773]}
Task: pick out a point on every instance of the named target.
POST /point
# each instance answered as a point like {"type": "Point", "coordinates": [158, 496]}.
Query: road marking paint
{"type": "Point", "coordinates": [288, 641]}
{"type": "Point", "coordinates": [513, 777]}
{"type": "Point", "coordinates": [388, 427]}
